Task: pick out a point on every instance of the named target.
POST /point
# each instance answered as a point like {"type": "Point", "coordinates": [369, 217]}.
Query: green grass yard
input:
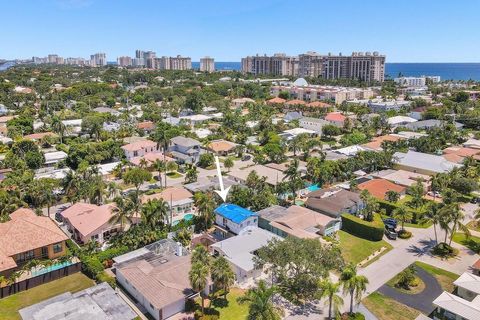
{"type": "Point", "coordinates": [228, 309]}
{"type": "Point", "coordinates": [444, 277]}
{"type": "Point", "coordinates": [10, 305]}
{"type": "Point", "coordinates": [473, 242]}
{"type": "Point", "coordinates": [355, 249]}
{"type": "Point", "coordinates": [385, 308]}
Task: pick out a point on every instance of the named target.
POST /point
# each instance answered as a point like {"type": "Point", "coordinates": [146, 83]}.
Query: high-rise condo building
{"type": "Point", "coordinates": [149, 58]}
{"type": "Point", "coordinates": [124, 61]}
{"type": "Point", "coordinates": [207, 64]}
{"type": "Point", "coordinates": [174, 63]}
{"type": "Point", "coordinates": [362, 66]}
{"type": "Point", "coordinates": [98, 60]}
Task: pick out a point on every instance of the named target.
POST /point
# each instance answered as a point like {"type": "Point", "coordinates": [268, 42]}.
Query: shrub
{"type": "Point", "coordinates": [91, 266]}
{"type": "Point", "coordinates": [444, 250]}
{"type": "Point", "coordinates": [105, 277]}
{"type": "Point", "coordinates": [352, 316]}
{"type": "Point", "coordinates": [404, 234]}
{"type": "Point", "coordinates": [364, 229]}
{"type": "Point", "coordinates": [111, 253]}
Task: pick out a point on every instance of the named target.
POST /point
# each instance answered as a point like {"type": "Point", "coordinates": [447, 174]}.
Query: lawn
{"type": "Point", "coordinates": [228, 309]}
{"type": "Point", "coordinates": [9, 306]}
{"type": "Point", "coordinates": [473, 225]}
{"type": "Point", "coordinates": [174, 175]}
{"type": "Point", "coordinates": [444, 277]}
{"type": "Point", "coordinates": [355, 249]}
{"type": "Point", "coordinates": [385, 308]}
{"type": "Point", "coordinates": [472, 243]}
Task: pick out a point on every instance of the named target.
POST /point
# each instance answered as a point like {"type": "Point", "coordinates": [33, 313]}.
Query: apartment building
{"type": "Point", "coordinates": [174, 63]}
{"type": "Point", "coordinates": [207, 64]}
{"type": "Point", "coordinates": [98, 60]}
{"type": "Point", "coordinates": [362, 66]}
{"type": "Point", "coordinates": [124, 61]}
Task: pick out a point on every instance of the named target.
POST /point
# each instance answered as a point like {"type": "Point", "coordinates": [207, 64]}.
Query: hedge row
{"type": "Point", "coordinates": [390, 207]}
{"type": "Point", "coordinates": [364, 229]}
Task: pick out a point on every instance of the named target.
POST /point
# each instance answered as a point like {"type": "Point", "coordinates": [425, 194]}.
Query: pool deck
{"type": "Point", "coordinates": [29, 274]}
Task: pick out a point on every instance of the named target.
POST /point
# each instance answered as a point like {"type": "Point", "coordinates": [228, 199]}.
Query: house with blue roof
{"type": "Point", "coordinates": [231, 219]}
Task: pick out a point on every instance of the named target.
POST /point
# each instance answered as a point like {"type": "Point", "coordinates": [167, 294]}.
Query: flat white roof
{"type": "Point", "coordinates": [455, 304]}
{"type": "Point", "coordinates": [468, 281]}
{"type": "Point", "coordinates": [239, 249]}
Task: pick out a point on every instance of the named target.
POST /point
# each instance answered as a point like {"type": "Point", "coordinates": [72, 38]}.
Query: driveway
{"type": "Point", "coordinates": [421, 301]}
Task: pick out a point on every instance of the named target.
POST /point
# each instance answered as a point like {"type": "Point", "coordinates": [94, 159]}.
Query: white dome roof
{"type": "Point", "coordinates": [300, 82]}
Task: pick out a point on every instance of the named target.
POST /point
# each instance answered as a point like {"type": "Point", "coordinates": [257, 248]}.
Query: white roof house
{"type": "Point", "coordinates": [400, 120]}
{"type": "Point", "coordinates": [350, 150]}
{"type": "Point", "coordinates": [54, 157]}
{"type": "Point", "coordinates": [423, 162]}
{"type": "Point", "coordinates": [238, 250]}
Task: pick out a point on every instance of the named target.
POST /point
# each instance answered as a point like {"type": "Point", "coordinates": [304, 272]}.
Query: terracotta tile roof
{"type": "Point", "coordinates": [139, 145]}
{"type": "Point", "coordinates": [476, 265]}
{"type": "Point", "coordinates": [376, 143]}
{"type": "Point", "coordinates": [295, 102]}
{"type": "Point", "coordinates": [4, 119]}
{"type": "Point", "coordinates": [379, 187]}
{"type": "Point", "coordinates": [318, 104]}
{"type": "Point", "coordinates": [335, 116]}
{"type": "Point", "coordinates": [39, 136]}
{"type": "Point", "coordinates": [461, 151]}
{"type": "Point", "coordinates": [276, 100]}
{"type": "Point", "coordinates": [146, 125]}
{"type": "Point", "coordinates": [170, 194]}
{"type": "Point", "coordinates": [221, 145]}
{"type": "Point", "coordinates": [455, 158]}
{"type": "Point", "coordinates": [151, 157]}
{"type": "Point", "coordinates": [87, 218]}
{"type": "Point", "coordinates": [26, 231]}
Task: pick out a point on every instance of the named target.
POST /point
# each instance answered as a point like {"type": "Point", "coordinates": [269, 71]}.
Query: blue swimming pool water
{"type": "Point", "coordinates": [188, 217]}
{"type": "Point", "coordinates": [53, 267]}
{"type": "Point", "coordinates": [313, 187]}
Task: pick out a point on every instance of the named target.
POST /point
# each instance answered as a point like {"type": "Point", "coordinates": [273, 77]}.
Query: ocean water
{"type": "Point", "coordinates": [447, 71]}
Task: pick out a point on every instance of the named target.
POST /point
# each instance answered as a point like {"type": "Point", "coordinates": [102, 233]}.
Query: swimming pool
{"type": "Point", "coordinates": [188, 217]}
{"type": "Point", "coordinates": [313, 187]}
{"type": "Point", "coordinates": [53, 267]}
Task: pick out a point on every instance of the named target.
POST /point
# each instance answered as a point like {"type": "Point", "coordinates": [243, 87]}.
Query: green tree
{"type": "Point", "coordinates": [260, 305]}
{"type": "Point", "coordinates": [228, 163]}
{"type": "Point", "coordinates": [198, 277]}
{"type": "Point", "coordinates": [191, 174]}
{"type": "Point", "coordinates": [403, 214]}
{"type": "Point", "coordinates": [155, 211]}
{"type": "Point", "coordinates": [58, 127]}
{"type": "Point", "coordinates": [122, 212]}
{"type": "Point", "coordinates": [205, 205]}
{"type": "Point", "coordinates": [392, 196]}
{"type": "Point", "coordinates": [222, 275]}
{"type": "Point", "coordinates": [330, 290]}
{"type": "Point", "coordinates": [353, 284]}
{"type": "Point", "coordinates": [136, 176]}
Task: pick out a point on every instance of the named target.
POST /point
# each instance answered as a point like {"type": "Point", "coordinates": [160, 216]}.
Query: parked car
{"type": "Point", "coordinates": [390, 233]}
{"type": "Point", "coordinates": [391, 222]}
{"type": "Point", "coordinates": [246, 157]}
{"type": "Point", "coordinates": [434, 194]}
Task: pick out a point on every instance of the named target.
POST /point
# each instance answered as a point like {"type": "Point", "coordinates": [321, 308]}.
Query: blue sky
{"type": "Point", "coordinates": [405, 30]}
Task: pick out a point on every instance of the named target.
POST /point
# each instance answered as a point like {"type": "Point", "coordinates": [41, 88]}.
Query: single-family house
{"type": "Point", "coordinates": [157, 277]}
{"type": "Point", "coordinates": [89, 222]}
{"type": "Point", "coordinates": [463, 303]}
{"type": "Point", "coordinates": [402, 177]}
{"type": "Point", "coordinates": [314, 124]}
{"type": "Point", "coordinates": [39, 136]}
{"type": "Point", "coordinates": [380, 187]}
{"type": "Point", "coordinates": [185, 150]}
{"type": "Point", "coordinates": [334, 202]}
{"type": "Point", "coordinates": [430, 124]}
{"type": "Point", "coordinates": [139, 148]}
{"type": "Point", "coordinates": [297, 222]}
{"type": "Point", "coordinates": [52, 158]}
{"type": "Point", "coordinates": [336, 118]}
{"type": "Point", "coordinates": [273, 176]}
{"type": "Point", "coordinates": [240, 252]}
{"type": "Point", "coordinates": [179, 200]}
{"type": "Point", "coordinates": [400, 121]}
{"type": "Point", "coordinates": [376, 143]}
{"type": "Point", "coordinates": [146, 126]}
{"type": "Point", "coordinates": [423, 163]}
{"type": "Point", "coordinates": [27, 236]}
{"type": "Point", "coordinates": [222, 147]}
{"type": "Point", "coordinates": [232, 219]}
{"type": "Point", "coordinates": [239, 102]}
{"type": "Point", "coordinates": [150, 158]}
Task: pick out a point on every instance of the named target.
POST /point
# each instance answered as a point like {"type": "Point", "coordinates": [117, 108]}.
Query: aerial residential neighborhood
{"type": "Point", "coordinates": [227, 175]}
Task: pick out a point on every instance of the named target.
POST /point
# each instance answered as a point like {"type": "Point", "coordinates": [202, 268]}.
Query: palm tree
{"type": "Point", "coordinates": [112, 190]}
{"type": "Point", "coordinates": [330, 291]}
{"type": "Point", "coordinates": [401, 213]}
{"type": "Point", "coordinates": [198, 277]}
{"type": "Point", "coordinates": [222, 275]}
{"type": "Point", "coordinates": [205, 205]}
{"type": "Point", "coordinates": [353, 283]}
{"type": "Point", "coordinates": [201, 255]}
{"type": "Point", "coordinates": [292, 174]}
{"type": "Point", "coordinates": [155, 211]}
{"type": "Point", "coordinates": [159, 166]}
{"type": "Point", "coordinates": [453, 214]}
{"type": "Point", "coordinates": [191, 174]}
{"type": "Point", "coordinates": [123, 212]}
{"type": "Point", "coordinates": [260, 303]}
{"type": "Point", "coordinates": [434, 216]}
{"type": "Point", "coordinates": [228, 163]}
{"type": "Point", "coordinates": [58, 127]}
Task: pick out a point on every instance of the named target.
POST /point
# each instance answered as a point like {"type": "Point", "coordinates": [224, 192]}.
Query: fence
{"type": "Point", "coordinates": [40, 279]}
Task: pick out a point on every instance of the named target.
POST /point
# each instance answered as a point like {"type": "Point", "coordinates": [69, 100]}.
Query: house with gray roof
{"type": "Point", "coordinates": [334, 202]}
{"type": "Point", "coordinates": [423, 163]}
{"type": "Point", "coordinates": [185, 150]}
{"type": "Point", "coordinates": [429, 124]}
